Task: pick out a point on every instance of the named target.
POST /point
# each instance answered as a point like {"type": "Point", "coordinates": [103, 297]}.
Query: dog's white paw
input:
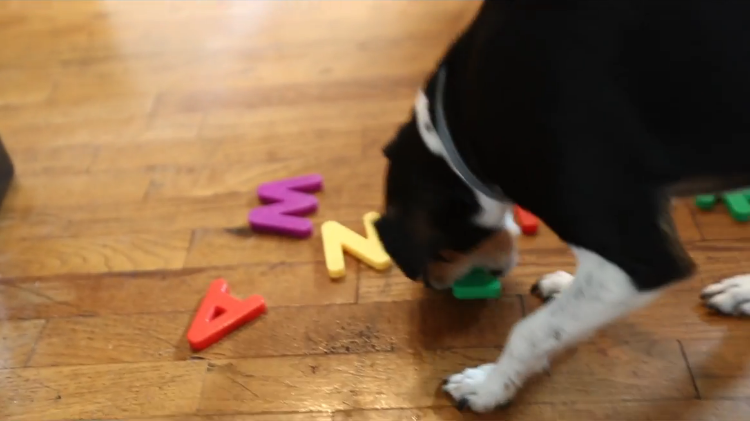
{"type": "Point", "coordinates": [481, 388]}
{"type": "Point", "coordinates": [551, 284]}
{"type": "Point", "coordinates": [730, 296]}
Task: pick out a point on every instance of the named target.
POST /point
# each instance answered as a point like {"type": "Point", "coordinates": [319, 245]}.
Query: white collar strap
{"type": "Point", "coordinates": [440, 142]}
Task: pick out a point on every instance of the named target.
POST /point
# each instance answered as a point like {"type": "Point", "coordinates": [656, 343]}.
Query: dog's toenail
{"type": "Point", "coordinates": [535, 289]}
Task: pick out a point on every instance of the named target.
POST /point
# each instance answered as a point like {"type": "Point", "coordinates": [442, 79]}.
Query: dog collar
{"type": "Point", "coordinates": [451, 154]}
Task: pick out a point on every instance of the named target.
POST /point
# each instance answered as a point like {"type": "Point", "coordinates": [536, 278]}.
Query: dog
{"type": "Point", "coordinates": [593, 115]}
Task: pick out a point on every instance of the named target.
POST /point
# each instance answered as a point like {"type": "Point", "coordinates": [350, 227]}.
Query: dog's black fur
{"type": "Point", "coordinates": [588, 113]}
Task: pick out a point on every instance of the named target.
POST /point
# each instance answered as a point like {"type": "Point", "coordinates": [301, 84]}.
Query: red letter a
{"type": "Point", "coordinates": [220, 313]}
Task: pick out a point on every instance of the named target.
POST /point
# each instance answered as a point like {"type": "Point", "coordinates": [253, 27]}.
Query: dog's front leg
{"type": "Point", "coordinates": [600, 293]}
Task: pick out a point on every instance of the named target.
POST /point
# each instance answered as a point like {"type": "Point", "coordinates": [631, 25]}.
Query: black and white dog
{"type": "Point", "coordinates": [592, 114]}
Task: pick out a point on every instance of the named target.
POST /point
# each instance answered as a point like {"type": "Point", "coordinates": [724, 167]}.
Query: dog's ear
{"type": "Point", "coordinates": [409, 256]}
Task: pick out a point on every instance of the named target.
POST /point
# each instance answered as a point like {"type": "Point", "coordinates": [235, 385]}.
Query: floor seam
{"type": "Point", "coordinates": [690, 370]}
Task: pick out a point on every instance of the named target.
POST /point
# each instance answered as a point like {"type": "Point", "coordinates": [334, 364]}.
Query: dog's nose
{"type": "Point", "coordinates": [497, 273]}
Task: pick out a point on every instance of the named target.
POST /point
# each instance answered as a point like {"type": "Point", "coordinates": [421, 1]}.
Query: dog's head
{"type": "Point", "coordinates": [435, 227]}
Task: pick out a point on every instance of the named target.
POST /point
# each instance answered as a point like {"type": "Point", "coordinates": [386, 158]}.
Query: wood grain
{"type": "Point", "coordinates": [334, 382]}
{"type": "Point", "coordinates": [364, 180]}
{"type": "Point", "coordinates": [221, 211]}
{"type": "Point", "coordinates": [219, 30]}
{"type": "Point", "coordinates": [293, 120]}
{"type": "Point", "coordinates": [306, 330]}
{"type": "Point", "coordinates": [40, 191]}
{"type": "Point", "coordinates": [230, 150]}
{"type": "Point", "coordinates": [23, 86]}
{"type": "Point", "coordinates": [17, 340]}
{"type": "Point", "coordinates": [605, 370]}
{"type": "Point", "coordinates": [52, 160]}
{"type": "Point", "coordinates": [48, 256]}
{"type": "Point", "coordinates": [396, 380]}
{"type": "Point", "coordinates": [720, 367]}
{"type": "Point", "coordinates": [125, 107]}
{"type": "Point", "coordinates": [307, 416]}
{"type": "Point", "coordinates": [278, 96]}
{"type": "Point", "coordinates": [718, 224]}
{"type": "Point", "coordinates": [107, 130]}
{"type": "Point", "coordinates": [255, 68]}
{"type": "Point", "coordinates": [169, 291]}
{"type": "Point", "coordinates": [692, 410]}
{"type": "Point", "coordinates": [102, 391]}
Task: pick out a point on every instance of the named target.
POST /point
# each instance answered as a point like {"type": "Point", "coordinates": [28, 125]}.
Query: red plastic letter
{"type": "Point", "coordinates": [528, 222]}
{"type": "Point", "coordinates": [220, 313]}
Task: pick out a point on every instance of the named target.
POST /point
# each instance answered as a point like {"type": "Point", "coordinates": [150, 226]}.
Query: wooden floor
{"type": "Point", "coordinates": [140, 132]}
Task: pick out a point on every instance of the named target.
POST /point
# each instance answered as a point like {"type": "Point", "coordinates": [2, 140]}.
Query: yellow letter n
{"type": "Point", "coordinates": [337, 238]}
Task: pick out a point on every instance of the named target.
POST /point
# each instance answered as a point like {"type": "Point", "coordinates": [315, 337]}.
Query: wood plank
{"type": "Point", "coordinates": [283, 416]}
{"type": "Point", "coordinates": [17, 340]}
{"type": "Point", "coordinates": [219, 32]}
{"type": "Point", "coordinates": [718, 224]}
{"type": "Point", "coordinates": [330, 143]}
{"type": "Point", "coordinates": [334, 382]}
{"type": "Point", "coordinates": [283, 331]}
{"type": "Point", "coordinates": [49, 256]}
{"type": "Point", "coordinates": [18, 87]}
{"type": "Point", "coordinates": [291, 120]}
{"type": "Point", "coordinates": [264, 67]}
{"type": "Point", "coordinates": [152, 155]}
{"type": "Point", "coordinates": [245, 149]}
{"type": "Point", "coordinates": [59, 160]}
{"type": "Point", "coordinates": [687, 226]}
{"type": "Point", "coordinates": [377, 88]}
{"type": "Point", "coordinates": [103, 391]}
{"type": "Point", "coordinates": [170, 291]}
{"type": "Point", "coordinates": [66, 112]}
{"type": "Point", "coordinates": [220, 211]}
{"type": "Point", "coordinates": [102, 130]}
{"type": "Point", "coordinates": [112, 340]}
{"type": "Point", "coordinates": [683, 410]}
{"type": "Point", "coordinates": [402, 380]}
{"type": "Point", "coordinates": [40, 191]}
{"type": "Point", "coordinates": [720, 259]}
{"type": "Point", "coordinates": [210, 198]}
{"type": "Point", "coordinates": [605, 369]}
{"type": "Point", "coordinates": [347, 178]}
{"type": "Point", "coordinates": [721, 367]}
{"type": "Point", "coordinates": [314, 11]}
{"type": "Point", "coordinates": [255, 248]}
